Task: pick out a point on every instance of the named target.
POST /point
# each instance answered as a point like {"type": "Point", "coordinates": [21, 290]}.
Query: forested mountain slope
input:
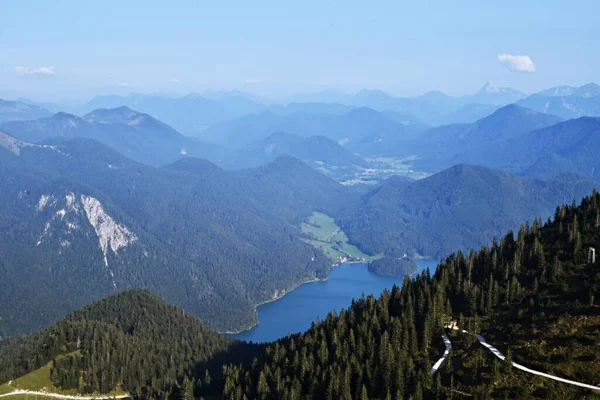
{"type": "Point", "coordinates": [444, 146]}
{"type": "Point", "coordinates": [461, 207]}
{"type": "Point", "coordinates": [132, 340]}
{"type": "Point", "coordinates": [568, 146]}
{"type": "Point", "coordinates": [81, 221]}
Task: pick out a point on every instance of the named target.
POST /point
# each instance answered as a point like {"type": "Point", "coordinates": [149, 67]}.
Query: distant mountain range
{"type": "Point", "coordinates": [566, 102]}
{"type": "Point", "coordinates": [242, 142]}
{"type": "Point", "coordinates": [587, 90]}
{"type": "Point", "coordinates": [310, 108]}
{"type": "Point", "coordinates": [441, 147]}
{"type": "Point", "coordinates": [193, 113]}
{"type": "Point", "coordinates": [437, 108]}
{"type": "Point", "coordinates": [19, 111]}
{"type": "Point", "coordinates": [188, 114]}
{"type": "Point", "coordinates": [135, 135]}
{"type": "Point", "coordinates": [356, 129]}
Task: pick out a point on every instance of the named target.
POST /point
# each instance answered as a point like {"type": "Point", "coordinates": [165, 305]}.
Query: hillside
{"type": "Point", "coordinates": [459, 208]}
{"type": "Point", "coordinates": [567, 146]}
{"type": "Point", "coordinates": [82, 221]}
{"type": "Point", "coordinates": [444, 146]}
{"type": "Point", "coordinates": [131, 341]}
{"type": "Point", "coordinates": [143, 122]}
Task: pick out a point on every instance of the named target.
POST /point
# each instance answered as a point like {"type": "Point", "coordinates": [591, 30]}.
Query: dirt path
{"type": "Point", "coordinates": [62, 396]}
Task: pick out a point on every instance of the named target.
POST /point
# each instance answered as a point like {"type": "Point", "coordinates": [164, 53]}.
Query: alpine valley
{"type": "Point", "coordinates": [166, 236]}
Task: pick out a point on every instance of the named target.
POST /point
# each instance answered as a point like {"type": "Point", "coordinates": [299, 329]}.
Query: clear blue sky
{"type": "Point", "coordinates": [74, 49]}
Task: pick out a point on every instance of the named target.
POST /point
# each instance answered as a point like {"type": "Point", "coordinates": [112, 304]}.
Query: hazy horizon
{"type": "Point", "coordinates": [275, 50]}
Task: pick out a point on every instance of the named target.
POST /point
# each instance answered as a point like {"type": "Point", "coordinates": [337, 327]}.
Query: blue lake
{"type": "Point", "coordinates": [296, 311]}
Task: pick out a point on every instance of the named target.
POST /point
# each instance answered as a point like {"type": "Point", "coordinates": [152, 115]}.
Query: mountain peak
{"type": "Point", "coordinates": [489, 87]}
{"type": "Point", "coordinates": [589, 90]}
{"type": "Point", "coordinates": [66, 118]}
{"type": "Point", "coordinates": [511, 108]}
{"type": "Point", "coordinates": [363, 112]}
{"type": "Point", "coordinates": [509, 111]}
{"type": "Point", "coordinates": [282, 135]}
{"type": "Point", "coordinates": [493, 94]}
{"type": "Point", "coordinates": [63, 115]}
{"type": "Point", "coordinates": [434, 95]}
{"type": "Point", "coordinates": [371, 93]}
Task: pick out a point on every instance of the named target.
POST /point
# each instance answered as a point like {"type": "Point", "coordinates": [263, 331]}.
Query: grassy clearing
{"type": "Point", "coordinates": [36, 380]}
{"type": "Point", "coordinates": [39, 380]}
{"type": "Point", "coordinates": [29, 397]}
{"type": "Point", "coordinates": [327, 236]}
{"type": "Point", "coordinates": [5, 389]}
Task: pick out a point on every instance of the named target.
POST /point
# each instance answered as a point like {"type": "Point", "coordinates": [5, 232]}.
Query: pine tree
{"type": "Point", "coordinates": [364, 394]}
{"type": "Point", "coordinates": [186, 389]}
{"type": "Point", "coordinates": [508, 363]}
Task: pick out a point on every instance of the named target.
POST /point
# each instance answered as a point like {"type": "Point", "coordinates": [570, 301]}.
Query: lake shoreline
{"type": "Point", "coordinates": [297, 312]}
{"type": "Point", "coordinates": [286, 292]}
{"type": "Point", "coordinates": [293, 288]}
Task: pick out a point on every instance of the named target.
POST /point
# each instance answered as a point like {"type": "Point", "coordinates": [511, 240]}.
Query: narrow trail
{"type": "Point", "coordinates": [501, 356]}
{"type": "Point", "coordinates": [63, 396]}
{"type": "Point", "coordinates": [439, 362]}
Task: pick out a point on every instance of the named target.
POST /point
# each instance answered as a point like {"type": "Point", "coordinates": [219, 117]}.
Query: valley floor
{"type": "Point", "coordinates": [326, 235]}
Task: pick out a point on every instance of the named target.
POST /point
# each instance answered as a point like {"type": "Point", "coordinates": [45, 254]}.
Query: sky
{"type": "Point", "coordinates": [51, 50]}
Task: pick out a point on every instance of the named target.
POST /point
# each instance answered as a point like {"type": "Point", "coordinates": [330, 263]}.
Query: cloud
{"type": "Point", "coordinates": [175, 81]}
{"type": "Point", "coordinates": [253, 81]}
{"type": "Point", "coordinates": [123, 84]}
{"type": "Point", "coordinates": [41, 71]}
{"type": "Point", "coordinates": [517, 63]}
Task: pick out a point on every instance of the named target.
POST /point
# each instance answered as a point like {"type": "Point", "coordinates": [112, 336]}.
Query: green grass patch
{"type": "Point", "coordinates": [5, 389]}
{"type": "Point", "coordinates": [39, 380]}
{"type": "Point", "coordinates": [36, 380]}
{"type": "Point", "coordinates": [327, 236]}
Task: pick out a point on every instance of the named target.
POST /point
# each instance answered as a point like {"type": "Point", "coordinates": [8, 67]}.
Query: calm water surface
{"type": "Point", "coordinates": [296, 311]}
